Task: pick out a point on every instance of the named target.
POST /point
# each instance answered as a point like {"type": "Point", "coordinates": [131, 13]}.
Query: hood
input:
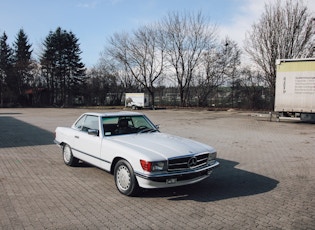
{"type": "Point", "coordinates": [158, 144]}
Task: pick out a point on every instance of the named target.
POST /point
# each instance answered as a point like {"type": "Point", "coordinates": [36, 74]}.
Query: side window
{"type": "Point", "coordinates": [80, 122]}
{"type": "Point", "coordinates": [110, 125]}
{"type": "Point", "coordinates": [91, 122]}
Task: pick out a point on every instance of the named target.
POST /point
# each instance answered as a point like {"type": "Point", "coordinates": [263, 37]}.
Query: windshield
{"type": "Point", "coordinates": [120, 125]}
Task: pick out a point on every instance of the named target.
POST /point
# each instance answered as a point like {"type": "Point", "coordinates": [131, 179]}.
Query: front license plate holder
{"type": "Point", "coordinates": [171, 181]}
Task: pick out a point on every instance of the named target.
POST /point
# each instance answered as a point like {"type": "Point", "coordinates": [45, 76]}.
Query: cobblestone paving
{"type": "Point", "coordinates": [266, 179]}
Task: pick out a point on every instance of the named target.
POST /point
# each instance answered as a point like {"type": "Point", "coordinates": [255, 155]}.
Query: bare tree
{"type": "Point", "coordinates": [231, 66]}
{"type": "Point", "coordinates": [102, 86]}
{"type": "Point", "coordinates": [143, 54]}
{"type": "Point", "coordinates": [253, 89]}
{"type": "Point", "coordinates": [120, 70]}
{"type": "Point", "coordinates": [219, 66]}
{"type": "Point", "coordinates": [188, 36]}
{"type": "Point", "coordinates": [118, 78]}
{"type": "Point", "coordinates": [283, 31]}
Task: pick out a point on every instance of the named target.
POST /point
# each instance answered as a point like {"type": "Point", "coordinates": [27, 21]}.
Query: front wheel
{"type": "Point", "coordinates": [68, 157]}
{"type": "Point", "coordinates": [125, 179]}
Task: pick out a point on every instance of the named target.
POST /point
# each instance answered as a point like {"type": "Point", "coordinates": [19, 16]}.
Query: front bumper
{"type": "Point", "coordinates": [172, 179]}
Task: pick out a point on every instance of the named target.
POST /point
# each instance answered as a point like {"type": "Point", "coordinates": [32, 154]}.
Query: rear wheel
{"type": "Point", "coordinates": [125, 179]}
{"type": "Point", "coordinates": [68, 157]}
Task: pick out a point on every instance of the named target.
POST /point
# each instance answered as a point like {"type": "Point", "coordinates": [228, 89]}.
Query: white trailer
{"type": "Point", "coordinates": [295, 88]}
{"type": "Point", "coordinates": [137, 100]}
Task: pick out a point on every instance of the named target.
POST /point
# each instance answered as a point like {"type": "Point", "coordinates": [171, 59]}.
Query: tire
{"type": "Point", "coordinates": [125, 179]}
{"type": "Point", "coordinates": [68, 157]}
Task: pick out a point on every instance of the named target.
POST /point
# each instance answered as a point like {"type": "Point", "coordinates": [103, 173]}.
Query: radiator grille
{"type": "Point", "coordinates": [188, 162]}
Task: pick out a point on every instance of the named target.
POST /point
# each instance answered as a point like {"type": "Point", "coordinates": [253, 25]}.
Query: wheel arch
{"type": "Point", "coordinates": [114, 162]}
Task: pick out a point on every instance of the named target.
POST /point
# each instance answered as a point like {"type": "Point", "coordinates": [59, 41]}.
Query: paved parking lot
{"type": "Point", "coordinates": [266, 179]}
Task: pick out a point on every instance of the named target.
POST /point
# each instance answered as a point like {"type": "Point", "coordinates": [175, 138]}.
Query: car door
{"type": "Point", "coordinates": [88, 145]}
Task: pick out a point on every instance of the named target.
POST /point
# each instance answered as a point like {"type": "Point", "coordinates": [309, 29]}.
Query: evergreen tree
{"type": "Point", "coordinates": [5, 65]}
{"type": "Point", "coordinates": [62, 66]}
{"type": "Point", "coordinates": [22, 62]}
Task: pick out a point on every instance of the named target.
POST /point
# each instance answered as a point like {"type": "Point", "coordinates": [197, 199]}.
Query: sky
{"type": "Point", "coordinates": [95, 21]}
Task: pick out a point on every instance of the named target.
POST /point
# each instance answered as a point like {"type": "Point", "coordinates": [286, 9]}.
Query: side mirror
{"type": "Point", "coordinates": [157, 127]}
{"type": "Point", "coordinates": [93, 132]}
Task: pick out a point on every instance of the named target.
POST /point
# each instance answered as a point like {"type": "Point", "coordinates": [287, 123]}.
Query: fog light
{"type": "Point", "coordinates": [171, 181]}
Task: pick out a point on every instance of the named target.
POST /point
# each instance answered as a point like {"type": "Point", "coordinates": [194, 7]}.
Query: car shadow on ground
{"type": "Point", "coordinates": [16, 133]}
{"type": "Point", "coordinates": [225, 182]}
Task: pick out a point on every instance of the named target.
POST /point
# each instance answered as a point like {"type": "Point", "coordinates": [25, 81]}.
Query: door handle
{"type": "Point", "coordinates": [76, 137]}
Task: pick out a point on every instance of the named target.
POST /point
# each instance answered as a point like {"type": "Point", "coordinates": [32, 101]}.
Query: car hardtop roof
{"type": "Point", "coordinates": [113, 114]}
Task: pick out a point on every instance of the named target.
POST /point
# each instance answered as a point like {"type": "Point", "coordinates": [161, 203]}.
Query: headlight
{"type": "Point", "coordinates": [158, 166]}
{"type": "Point", "coordinates": [153, 166]}
{"type": "Point", "coordinates": [212, 156]}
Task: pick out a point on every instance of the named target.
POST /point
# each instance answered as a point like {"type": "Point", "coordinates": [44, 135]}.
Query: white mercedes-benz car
{"type": "Point", "coordinates": [130, 146]}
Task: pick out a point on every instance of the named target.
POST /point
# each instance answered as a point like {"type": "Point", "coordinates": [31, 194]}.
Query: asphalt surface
{"type": "Point", "coordinates": [266, 179]}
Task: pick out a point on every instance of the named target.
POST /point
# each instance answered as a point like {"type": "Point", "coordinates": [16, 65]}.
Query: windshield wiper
{"type": "Point", "coordinates": [147, 130]}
